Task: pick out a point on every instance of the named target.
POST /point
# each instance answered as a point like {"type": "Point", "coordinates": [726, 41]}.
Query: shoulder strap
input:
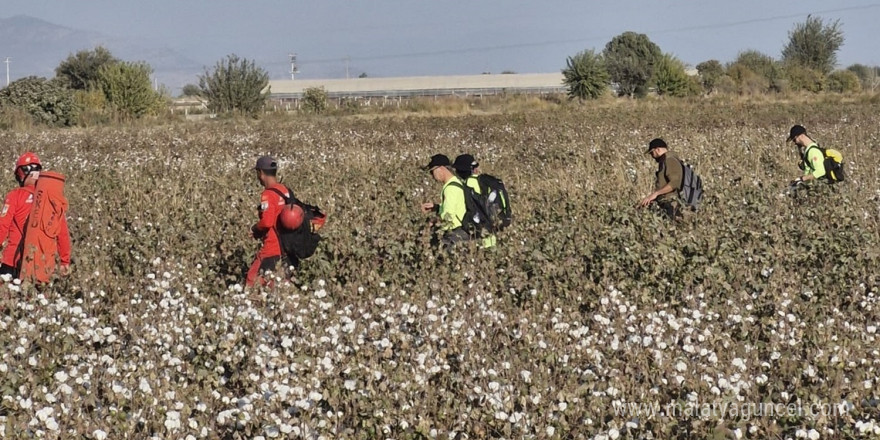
{"type": "Point", "coordinates": [286, 198]}
{"type": "Point", "coordinates": [806, 157]}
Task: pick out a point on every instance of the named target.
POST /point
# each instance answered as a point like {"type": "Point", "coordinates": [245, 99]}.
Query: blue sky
{"type": "Point", "coordinates": [400, 38]}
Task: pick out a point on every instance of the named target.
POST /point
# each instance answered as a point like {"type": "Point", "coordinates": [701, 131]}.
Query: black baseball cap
{"type": "Point", "coordinates": [656, 143]}
{"type": "Point", "coordinates": [266, 163]}
{"type": "Point", "coordinates": [465, 162]}
{"type": "Point", "coordinates": [438, 160]}
{"type": "Point", "coordinates": [796, 131]}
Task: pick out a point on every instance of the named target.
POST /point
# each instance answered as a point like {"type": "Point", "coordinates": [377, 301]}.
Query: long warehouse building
{"type": "Point", "coordinates": [461, 85]}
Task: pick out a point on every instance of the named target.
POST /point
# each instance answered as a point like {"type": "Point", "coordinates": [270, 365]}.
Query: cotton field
{"type": "Point", "coordinates": [754, 318]}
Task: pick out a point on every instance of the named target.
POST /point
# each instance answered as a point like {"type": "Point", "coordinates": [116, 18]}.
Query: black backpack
{"type": "Point", "coordinates": [300, 243]}
{"type": "Point", "coordinates": [497, 201]}
{"type": "Point", "coordinates": [833, 162]}
{"type": "Point", "coordinates": [476, 217]}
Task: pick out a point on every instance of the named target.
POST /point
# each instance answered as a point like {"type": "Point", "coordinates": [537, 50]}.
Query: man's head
{"type": "Point", "coordinates": [657, 148]}
{"type": "Point", "coordinates": [465, 165]}
{"type": "Point", "coordinates": [798, 135]}
{"type": "Point", "coordinates": [440, 168]}
{"type": "Point", "coordinates": [27, 169]}
{"type": "Point", "coordinates": [266, 169]}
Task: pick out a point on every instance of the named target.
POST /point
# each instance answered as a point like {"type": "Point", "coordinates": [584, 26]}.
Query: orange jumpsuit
{"type": "Point", "coordinates": [13, 221]}
{"type": "Point", "coordinates": [270, 252]}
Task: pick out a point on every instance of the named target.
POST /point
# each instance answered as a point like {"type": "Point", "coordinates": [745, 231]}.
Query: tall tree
{"type": "Point", "coordinates": [710, 72]}
{"type": "Point", "coordinates": [128, 89]}
{"type": "Point", "coordinates": [814, 44]}
{"type": "Point", "coordinates": [670, 78]}
{"type": "Point", "coordinates": [80, 70]}
{"type": "Point", "coordinates": [235, 84]}
{"type": "Point", "coordinates": [585, 75]}
{"type": "Point", "coordinates": [630, 58]}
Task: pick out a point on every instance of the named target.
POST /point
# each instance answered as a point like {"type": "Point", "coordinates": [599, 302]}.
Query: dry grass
{"type": "Point", "coordinates": [586, 305]}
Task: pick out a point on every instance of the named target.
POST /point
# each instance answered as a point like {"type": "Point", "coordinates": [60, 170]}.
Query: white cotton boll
{"type": "Point", "coordinates": [681, 366]}
{"type": "Point", "coordinates": [550, 431]}
{"type": "Point", "coordinates": [172, 420]}
{"type": "Point", "coordinates": [99, 435]}
{"type": "Point", "coordinates": [526, 376]}
{"type": "Point", "coordinates": [144, 386]}
{"type": "Point", "coordinates": [813, 434]}
{"type": "Point", "coordinates": [51, 424]}
{"type": "Point", "coordinates": [350, 385]}
{"type": "Point", "coordinates": [613, 434]}
{"type": "Point", "coordinates": [501, 415]}
{"type": "Point", "coordinates": [44, 413]}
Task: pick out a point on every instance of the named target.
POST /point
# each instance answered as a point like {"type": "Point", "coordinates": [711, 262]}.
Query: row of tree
{"type": "Point", "coordinates": [93, 86]}
{"type": "Point", "coordinates": [632, 65]}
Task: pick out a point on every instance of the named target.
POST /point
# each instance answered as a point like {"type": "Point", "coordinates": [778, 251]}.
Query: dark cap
{"type": "Point", "coordinates": [438, 160]}
{"type": "Point", "coordinates": [796, 131]}
{"type": "Point", "coordinates": [656, 143]}
{"type": "Point", "coordinates": [465, 162]}
{"type": "Point", "coordinates": [266, 163]}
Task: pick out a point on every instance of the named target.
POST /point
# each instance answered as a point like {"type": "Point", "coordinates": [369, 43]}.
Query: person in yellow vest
{"type": "Point", "coordinates": [454, 226]}
{"type": "Point", "coordinates": [467, 169]}
{"type": "Point", "coordinates": [812, 158]}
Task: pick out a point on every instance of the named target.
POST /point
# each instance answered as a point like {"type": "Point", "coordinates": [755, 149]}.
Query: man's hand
{"type": "Point", "coordinates": [256, 232]}
{"type": "Point", "coordinates": [64, 270]}
{"type": "Point", "coordinates": [647, 201]}
{"type": "Point", "coordinates": [427, 207]}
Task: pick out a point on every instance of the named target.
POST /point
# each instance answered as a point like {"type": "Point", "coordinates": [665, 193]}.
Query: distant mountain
{"type": "Point", "coordinates": [37, 47]}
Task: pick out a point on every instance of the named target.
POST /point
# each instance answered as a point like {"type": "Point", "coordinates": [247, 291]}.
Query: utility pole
{"type": "Point", "coordinates": [7, 71]}
{"type": "Point", "coordinates": [294, 69]}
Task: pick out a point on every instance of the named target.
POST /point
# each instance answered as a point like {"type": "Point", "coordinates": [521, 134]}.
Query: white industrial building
{"type": "Point", "coordinates": [408, 87]}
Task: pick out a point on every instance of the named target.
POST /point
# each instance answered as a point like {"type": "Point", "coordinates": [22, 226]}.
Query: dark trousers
{"type": "Point", "coordinates": [6, 269]}
{"type": "Point", "coordinates": [671, 209]}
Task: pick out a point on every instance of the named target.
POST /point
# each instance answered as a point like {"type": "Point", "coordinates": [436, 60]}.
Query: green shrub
{"type": "Point", "coordinates": [844, 81]}
{"type": "Point", "coordinates": [49, 102]}
{"type": "Point", "coordinates": [315, 100]}
{"type": "Point", "coordinates": [585, 75]}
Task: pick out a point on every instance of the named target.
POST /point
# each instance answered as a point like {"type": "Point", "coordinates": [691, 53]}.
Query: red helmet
{"type": "Point", "coordinates": [291, 216]}
{"type": "Point", "coordinates": [25, 164]}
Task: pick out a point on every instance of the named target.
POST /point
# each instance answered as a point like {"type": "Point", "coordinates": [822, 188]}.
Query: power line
{"type": "Point", "coordinates": [580, 40]}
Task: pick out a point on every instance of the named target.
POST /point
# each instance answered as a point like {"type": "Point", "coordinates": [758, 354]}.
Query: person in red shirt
{"type": "Point", "coordinates": [14, 216]}
{"type": "Point", "coordinates": [271, 204]}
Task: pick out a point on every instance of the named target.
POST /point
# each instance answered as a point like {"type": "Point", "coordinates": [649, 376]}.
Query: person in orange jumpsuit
{"type": "Point", "coordinates": [14, 216]}
{"type": "Point", "coordinates": [271, 204]}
